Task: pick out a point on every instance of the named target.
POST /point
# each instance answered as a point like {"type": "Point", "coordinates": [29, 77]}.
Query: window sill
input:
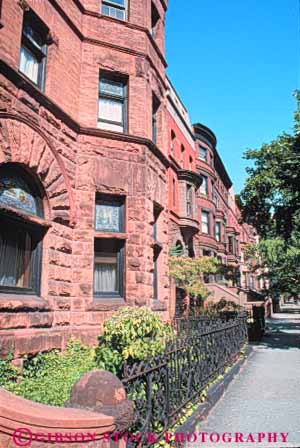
{"type": "Point", "coordinates": [106, 304]}
{"type": "Point", "coordinates": [159, 306]}
{"type": "Point", "coordinates": [18, 302]}
{"type": "Point", "coordinates": [24, 217]}
{"type": "Point", "coordinates": [118, 235]}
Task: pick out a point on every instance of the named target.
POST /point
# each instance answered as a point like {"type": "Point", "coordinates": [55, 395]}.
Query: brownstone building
{"type": "Point", "coordinates": [83, 164]}
{"type": "Point", "coordinates": [100, 170]}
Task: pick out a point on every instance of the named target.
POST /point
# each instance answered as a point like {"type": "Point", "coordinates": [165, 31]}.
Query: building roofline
{"type": "Point", "coordinates": [206, 134]}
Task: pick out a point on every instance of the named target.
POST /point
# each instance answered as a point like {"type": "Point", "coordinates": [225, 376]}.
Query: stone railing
{"type": "Point", "coordinates": [95, 415]}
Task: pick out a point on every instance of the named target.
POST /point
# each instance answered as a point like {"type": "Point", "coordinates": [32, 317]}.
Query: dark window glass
{"type": "Point", "coordinates": [218, 231]}
{"type": "Point", "coordinates": [189, 200]}
{"type": "Point", "coordinates": [112, 103]}
{"type": "Point", "coordinates": [204, 186]}
{"type": "Point", "coordinates": [18, 257]}
{"type": "Point", "coordinates": [205, 222]}
{"type": "Point", "coordinates": [115, 8]}
{"type": "Point", "coordinates": [174, 193]}
{"type": "Point", "coordinates": [33, 49]}
{"type": "Point", "coordinates": [173, 137]}
{"type": "Point", "coordinates": [155, 275]}
{"type": "Point", "coordinates": [202, 153]}
{"type": "Point", "coordinates": [109, 216]}
{"type": "Point", "coordinates": [108, 268]}
{"type": "Point", "coordinates": [154, 20]}
{"type": "Point", "coordinates": [230, 244]}
{"type": "Point", "coordinates": [155, 109]}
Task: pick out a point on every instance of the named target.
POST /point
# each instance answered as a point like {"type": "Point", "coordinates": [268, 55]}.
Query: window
{"type": "Point", "coordinates": [109, 216]}
{"type": "Point", "coordinates": [231, 244]}
{"type": "Point", "coordinates": [155, 109]}
{"type": "Point", "coordinates": [204, 186]}
{"type": "Point", "coordinates": [205, 222]}
{"type": "Point", "coordinates": [215, 197]}
{"type": "Point", "coordinates": [202, 153]}
{"type": "Point", "coordinates": [173, 137]}
{"type": "Point", "coordinates": [112, 103]}
{"type": "Point", "coordinates": [108, 268]}
{"type": "Point", "coordinates": [174, 193]}
{"type": "Point", "coordinates": [154, 21]}
{"type": "Point", "coordinates": [191, 163]}
{"type": "Point", "coordinates": [189, 200]}
{"type": "Point", "coordinates": [20, 239]}
{"type": "Point", "coordinates": [114, 8]}
{"type": "Point", "coordinates": [218, 231]}
{"type": "Point", "coordinates": [33, 49]}
{"type": "Point", "coordinates": [182, 152]}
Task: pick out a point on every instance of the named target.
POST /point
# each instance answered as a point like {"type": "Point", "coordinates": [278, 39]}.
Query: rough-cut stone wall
{"type": "Point", "coordinates": [54, 135]}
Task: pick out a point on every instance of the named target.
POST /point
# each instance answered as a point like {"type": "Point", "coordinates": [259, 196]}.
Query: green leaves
{"type": "Point", "coordinates": [188, 273]}
{"type": "Point", "coordinates": [49, 377]}
{"type": "Point", "coordinates": [131, 334]}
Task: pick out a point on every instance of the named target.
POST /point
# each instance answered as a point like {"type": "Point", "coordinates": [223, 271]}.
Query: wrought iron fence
{"type": "Point", "coordinates": [161, 387]}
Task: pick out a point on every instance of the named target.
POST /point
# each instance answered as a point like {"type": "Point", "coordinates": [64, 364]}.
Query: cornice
{"type": "Point", "coordinates": [190, 176]}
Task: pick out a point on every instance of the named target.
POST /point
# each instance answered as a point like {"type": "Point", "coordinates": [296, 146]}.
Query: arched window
{"type": "Point", "coordinates": [20, 234]}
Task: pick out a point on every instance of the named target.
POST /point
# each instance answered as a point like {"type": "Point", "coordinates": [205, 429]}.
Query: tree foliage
{"type": "Point", "coordinates": [188, 273]}
{"type": "Point", "coordinates": [271, 202]}
{"type": "Point", "coordinates": [132, 334]}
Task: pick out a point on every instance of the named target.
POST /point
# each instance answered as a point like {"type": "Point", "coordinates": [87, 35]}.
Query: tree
{"type": "Point", "coordinates": [271, 197]}
{"type": "Point", "coordinates": [188, 274]}
{"type": "Point", "coordinates": [271, 202]}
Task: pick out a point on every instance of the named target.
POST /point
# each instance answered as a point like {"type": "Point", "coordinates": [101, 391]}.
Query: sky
{"type": "Point", "coordinates": [235, 65]}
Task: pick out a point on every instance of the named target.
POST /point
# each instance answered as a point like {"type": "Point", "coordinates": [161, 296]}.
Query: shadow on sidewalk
{"type": "Point", "coordinates": [281, 334]}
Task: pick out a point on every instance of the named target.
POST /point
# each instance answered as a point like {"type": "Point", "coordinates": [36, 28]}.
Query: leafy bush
{"type": "Point", "coordinates": [8, 372]}
{"type": "Point", "coordinates": [131, 334]}
{"type": "Point", "coordinates": [48, 377]}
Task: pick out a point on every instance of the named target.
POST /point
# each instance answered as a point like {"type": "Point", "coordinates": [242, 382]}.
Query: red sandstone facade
{"type": "Point", "coordinates": [100, 170]}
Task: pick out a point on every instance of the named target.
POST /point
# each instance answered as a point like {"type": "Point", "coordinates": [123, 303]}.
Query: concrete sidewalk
{"type": "Point", "coordinates": [265, 396]}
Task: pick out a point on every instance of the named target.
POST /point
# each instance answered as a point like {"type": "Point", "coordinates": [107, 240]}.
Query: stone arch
{"type": "Point", "coordinates": [24, 143]}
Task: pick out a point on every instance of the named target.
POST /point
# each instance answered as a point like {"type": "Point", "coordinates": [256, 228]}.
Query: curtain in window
{"type": "Point", "coordinates": [15, 259]}
{"type": "Point", "coordinates": [29, 65]}
{"type": "Point", "coordinates": [112, 111]}
{"type": "Point", "coordinates": [105, 277]}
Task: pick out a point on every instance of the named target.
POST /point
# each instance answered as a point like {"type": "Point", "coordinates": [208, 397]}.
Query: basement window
{"type": "Point", "coordinates": [33, 53]}
{"type": "Point", "coordinates": [114, 8]}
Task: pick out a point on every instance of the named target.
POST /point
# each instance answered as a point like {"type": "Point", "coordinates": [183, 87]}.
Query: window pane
{"type": "Point", "coordinates": [117, 2]}
{"type": "Point", "coordinates": [110, 87]}
{"type": "Point", "coordinates": [15, 258]}
{"type": "Point", "coordinates": [105, 277]}
{"type": "Point", "coordinates": [29, 65]}
{"type": "Point", "coordinates": [110, 126]}
{"type": "Point", "coordinates": [204, 187]}
{"type": "Point", "coordinates": [108, 217]}
{"type": "Point", "coordinates": [111, 110]}
{"type": "Point", "coordinates": [205, 220]}
{"type": "Point", "coordinates": [14, 192]}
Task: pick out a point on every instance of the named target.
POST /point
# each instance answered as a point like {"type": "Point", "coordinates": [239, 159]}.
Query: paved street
{"type": "Point", "coordinates": [265, 396]}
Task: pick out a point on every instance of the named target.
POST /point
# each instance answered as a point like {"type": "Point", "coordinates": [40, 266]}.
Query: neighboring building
{"type": "Point", "coordinates": [100, 171]}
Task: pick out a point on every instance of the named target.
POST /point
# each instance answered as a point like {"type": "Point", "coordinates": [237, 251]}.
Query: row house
{"type": "Point", "coordinates": [205, 219]}
{"type": "Point", "coordinates": [83, 167]}
{"type": "Point", "coordinates": [101, 171]}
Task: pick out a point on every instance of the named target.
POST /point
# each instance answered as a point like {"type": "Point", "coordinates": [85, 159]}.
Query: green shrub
{"type": "Point", "coordinates": [131, 334]}
{"type": "Point", "coordinates": [8, 372]}
{"type": "Point", "coordinates": [49, 377]}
